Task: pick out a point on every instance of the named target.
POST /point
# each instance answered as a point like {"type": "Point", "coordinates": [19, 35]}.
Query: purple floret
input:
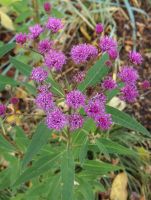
{"type": "Point", "coordinates": [109, 84]}
{"type": "Point", "coordinates": [94, 108]}
{"type": "Point", "coordinates": [56, 120]}
{"type": "Point", "coordinates": [83, 52]}
{"type": "Point", "coordinates": [55, 59]}
{"type": "Point", "coordinates": [44, 46]}
{"type": "Point", "coordinates": [21, 38]}
{"type": "Point", "coordinates": [54, 24]}
{"type": "Point", "coordinates": [35, 31]}
{"type": "Point", "coordinates": [44, 100]}
{"type": "Point", "coordinates": [75, 121]}
{"type": "Point", "coordinates": [104, 121]}
{"type": "Point", "coordinates": [39, 74]}
{"type": "Point", "coordinates": [99, 28]}
{"type": "Point", "coordinates": [129, 93]}
{"type": "Point", "coordinates": [107, 44]}
{"type": "Point", "coordinates": [128, 75]}
{"type": "Point", "coordinates": [75, 99]}
{"type": "Point", "coordinates": [135, 58]}
{"type": "Point", "coordinates": [2, 109]}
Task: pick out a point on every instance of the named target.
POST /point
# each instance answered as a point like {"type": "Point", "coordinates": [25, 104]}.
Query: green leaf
{"type": "Point", "coordinates": [21, 140]}
{"type": "Point", "coordinates": [102, 148]}
{"type": "Point", "coordinates": [55, 188]}
{"type": "Point", "coordinates": [39, 139]}
{"type": "Point", "coordinates": [55, 87]}
{"type": "Point", "coordinates": [6, 48]}
{"type": "Point", "coordinates": [5, 145]}
{"type": "Point", "coordinates": [85, 188]}
{"type": "Point", "coordinates": [95, 73]}
{"type": "Point", "coordinates": [67, 175]}
{"type": "Point", "coordinates": [93, 167]}
{"type": "Point", "coordinates": [39, 167]}
{"type": "Point", "coordinates": [126, 121]}
{"type": "Point", "coordinates": [113, 147]}
{"type": "Point", "coordinates": [22, 67]}
{"type": "Point", "coordinates": [4, 80]}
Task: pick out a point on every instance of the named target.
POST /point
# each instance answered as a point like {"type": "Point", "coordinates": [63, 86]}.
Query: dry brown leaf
{"type": "Point", "coordinates": [119, 187]}
{"type": "Point", "coordinates": [6, 21]}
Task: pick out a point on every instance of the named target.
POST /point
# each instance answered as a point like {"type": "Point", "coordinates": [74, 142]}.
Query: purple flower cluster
{"type": "Point", "coordinates": [109, 45]}
{"type": "Point", "coordinates": [54, 24]}
{"type": "Point", "coordinates": [96, 110]}
{"type": "Point", "coordinates": [56, 120]}
{"type": "Point", "coordinates": [83, 52]}
{"type": "Point", "coordinates": [109, 84]}
{"type": "Point", "coordinates": [55, 59]}
{"type": "Point", "coordinates": [129, 76]}
{"type": "Point", "coordinates": [39, 74]}
{"type": "Point", "coordinates": [35, 31]}
{"type": "Point", "coordinates": [44, 46]}
{"type": "Point", "coordinates": [2, 109]}
{"type": "Point", "coordinates": [21, 38]}
{"type": "Point", "coordinates": [75, 99]}
{"type": "Point", "coordinates": [135, 58]}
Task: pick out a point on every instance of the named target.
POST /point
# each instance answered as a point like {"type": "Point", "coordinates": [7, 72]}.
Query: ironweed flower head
{"type": "Point", "coordinates": [129, 93]}
{"type": "Point", "coordinates": [54, 24]}
{"type": "Point", "coordinates": [47, 6]}
{"type": "Point", "coordinates": [104, 121]}
{"type": "Point", "coordinates": [35, 31]}
{"type": "Point", "coordinates": [99, 28]}
{"type": "Point", "coordinates": [44, 46]}
{"type": "Point", "coordinates": [39, 74]}
{"type": "Point", "coordinates": [100, 97]}
{"type": "Point", "coordinates": [107, 44]}
{"type": "Point", "coordinates": [109, 84]}
{"type": "Point", "coordinates": [14, 100]}
{"type": "Point", "coordinates": [145, 84]}
{"type": "Point", "coordinates": [79, 77]}
{"type": "Point", "coordinates": [135, 58]}
{"type": "Point", "coordinates": [2, 109]}
{"type": "Point", "coordinates": [83, 52]}
{"type": "Point", "coordinates": [56, 119]}
{"type": "Point", "coordinates": [75, 121]}
{"type": "Point", "coordinates": [94, 108]}
{"type": "Point", "coordinates": [75, 99]}
{"type": "Point", "coordinates": [44, 101]}
{"type": "Point", "coordinates": [21, 38]}
{"type": "Point", "coordinates": [55, 59]}
{"type": "Point", "coordinates": [128, 75]}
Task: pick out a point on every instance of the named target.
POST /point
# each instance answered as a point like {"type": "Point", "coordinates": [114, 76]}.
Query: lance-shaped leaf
{"type": "Point", "coordinates": [95, 73]}
{"type": "Point", "coordinates": [67, 175]}
{"type": "Point", "coordinates": [22, 67]}
{"type": "Point", "coordinates": [39, 139]}
{"type": "Point", "coordinates": [6, 48]}
{"type": "Point", "coordinates": [126, 121]}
